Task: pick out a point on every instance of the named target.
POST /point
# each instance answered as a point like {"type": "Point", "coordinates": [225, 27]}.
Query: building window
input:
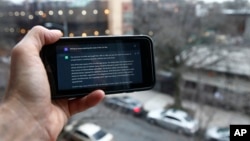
{"type": "Point", "coordinates": [190, 85]}
{"type": "Point", "coordinates": [210, 89]}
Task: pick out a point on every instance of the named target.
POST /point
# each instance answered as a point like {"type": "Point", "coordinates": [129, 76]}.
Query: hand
{"type": "Point", "coordinates": [27, 105]}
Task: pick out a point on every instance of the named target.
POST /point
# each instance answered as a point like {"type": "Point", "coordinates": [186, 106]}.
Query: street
{"type": "Point", "coordinates": [127, 127]}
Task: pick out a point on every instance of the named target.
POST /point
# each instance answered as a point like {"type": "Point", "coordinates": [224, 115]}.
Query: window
{"type": "Point", "coordinates": [189, 118]}
{"type": "Point", "coordinates": [199, 42]}
{"type": "Point", "coordinates": [173, 118]}
{"type": "Point", "coordinates": [100, 134]}
{"type": "Point", "coordinates": [190, 85]}
{"type": "Point", "coordinates": [82, 134]}
{"type": "Point", "coordinates": [210, 89]}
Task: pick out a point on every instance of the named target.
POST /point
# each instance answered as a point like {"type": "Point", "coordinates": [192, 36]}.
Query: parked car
{"type": "Point", "coordinates": [5, 60]}
{"type": "Point", "coordinates": [217, 134]}
{"type": "Point", "coordinates": [126, 104]}
{"type": "Point", "coordinates": [174, 119]}
{"type": "Point", "coordinates": [86, 132]}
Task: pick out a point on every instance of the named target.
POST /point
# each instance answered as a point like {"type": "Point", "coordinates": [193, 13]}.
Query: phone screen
{"type": "Point", "coordinates": [98, 65]}
{"type": "Point", "coordinates": [77, 66]}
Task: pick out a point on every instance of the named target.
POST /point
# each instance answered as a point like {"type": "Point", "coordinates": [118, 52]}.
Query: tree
{"type": "Point", "coordinates": [173, 24]}
{"type": "Point", "coordinates": [176, 30]}
{"type": "Point", "coordinates": [218, 22]}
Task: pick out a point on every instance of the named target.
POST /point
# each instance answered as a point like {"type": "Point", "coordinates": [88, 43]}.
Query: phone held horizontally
{"type": "Point", "coordinates": [115, 64]}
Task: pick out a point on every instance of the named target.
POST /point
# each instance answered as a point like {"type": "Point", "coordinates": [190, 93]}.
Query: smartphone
{"type": "Point", "coordinates": [116, 64]}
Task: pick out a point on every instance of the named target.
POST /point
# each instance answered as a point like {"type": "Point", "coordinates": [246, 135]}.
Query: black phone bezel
{"type": "Point", "coordinates": [48, 55]}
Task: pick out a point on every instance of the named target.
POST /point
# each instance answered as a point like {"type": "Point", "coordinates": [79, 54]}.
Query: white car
{"type": "Point", "coordinates": [5, 60]}
{"type": "Point", "coordinates": [88, 132]}
{"type": "Point", "coordinates": [174, 119]}
{"type": "Point", "coordinates": [217, 134]}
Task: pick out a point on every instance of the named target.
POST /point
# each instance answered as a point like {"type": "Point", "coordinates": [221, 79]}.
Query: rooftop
{"type": "Point", "coordinates": [234, 60]}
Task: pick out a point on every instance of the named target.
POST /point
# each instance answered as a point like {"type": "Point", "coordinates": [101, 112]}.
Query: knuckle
{"type": "Point", "coordinates": [38, 28]}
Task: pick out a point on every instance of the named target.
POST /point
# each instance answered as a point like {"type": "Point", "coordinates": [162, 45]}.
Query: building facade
{"type": "Point", "coordinates": [218, 77]}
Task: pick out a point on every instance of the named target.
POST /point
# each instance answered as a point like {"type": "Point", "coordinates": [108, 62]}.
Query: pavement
{"type": "Point", "coordinates": [208, 116]}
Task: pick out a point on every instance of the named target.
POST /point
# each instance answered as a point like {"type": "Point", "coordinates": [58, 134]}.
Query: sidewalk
{"type": "Point", "coordinates": [207, 115]}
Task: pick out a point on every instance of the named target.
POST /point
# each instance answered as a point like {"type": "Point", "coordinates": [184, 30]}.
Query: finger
{"type": "Point", "coordinates": [25, 59]}
{"type": "Point", "coordinates": [78, 105]}
{"type": "Point", "coordinates": [36, 38]}
{"type": "Point", "coordinates": [29, 47]}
